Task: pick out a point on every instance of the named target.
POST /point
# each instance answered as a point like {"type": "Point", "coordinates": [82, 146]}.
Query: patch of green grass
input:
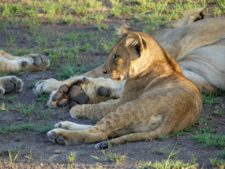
{"type": "Point", "coordinates": [208, 98]}
{"type": "Point", "coordinates": [16, 128]}
{"type": "Point", "coordinates": [45, 114]}
{"type": "Point", "coordinates": [210, 139]}
{"type": "Point", "coordinates": [217, 163]}
{"type": "Point", "coordinates": [43, 98]}
{"type": "Point", "coordinates": [70, 70]}
{"type": "Point", "coordinates": [69, 12]}
{"type": "Point", "coordinates": [10, 97]}
{"type": "Point", "coordinates": [218, 112]}
{"type": "Point", "coordinates": [166, 151]}
{"type": "Point", "coordinates": [109, 157]}
{"type": "Point", "coordinates": [219, 8]}
{"type": "Point", "coordinates": [25, 109]}
{"type": "Point", "coordinates": [170, 162]}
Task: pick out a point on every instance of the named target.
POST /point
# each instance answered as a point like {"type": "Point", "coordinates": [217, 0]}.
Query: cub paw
{"type": "Point", "coordinates": [12, 84]}
{"type": "Point", "coordinates": [69, 95]}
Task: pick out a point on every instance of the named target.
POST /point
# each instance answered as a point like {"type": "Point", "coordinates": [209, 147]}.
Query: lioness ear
{"type": "Point", "coordinates": [135, 40]}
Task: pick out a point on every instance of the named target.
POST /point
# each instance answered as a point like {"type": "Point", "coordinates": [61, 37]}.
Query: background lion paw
{"type": "Point", "coordinates": [36, 62]}
{"type": "Point", "coordinates": [11, 84]}
{"type": "Point", "coordinates": [40, 61]}
{"type": "Point", "coordinates": [68, 95]}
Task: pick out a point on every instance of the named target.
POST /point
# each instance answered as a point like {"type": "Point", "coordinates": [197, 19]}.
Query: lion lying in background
{"type": "Point", "coordinates": [197, 44]}
{"type": "Point", "coordinates": [9, 63]}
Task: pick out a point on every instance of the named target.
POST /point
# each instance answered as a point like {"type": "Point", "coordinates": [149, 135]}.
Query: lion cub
{"type": "Point", "coordinates": [157, 98]}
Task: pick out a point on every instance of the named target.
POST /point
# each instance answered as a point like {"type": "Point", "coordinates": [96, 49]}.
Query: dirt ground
{"type": "Point", "coordinates": [29, 147]}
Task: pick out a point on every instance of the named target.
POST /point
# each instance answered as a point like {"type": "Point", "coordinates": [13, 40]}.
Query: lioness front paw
{"type": "Point", "coordinates": [68, 95]}
{"type": "Point", "coordinates": [11, 84]}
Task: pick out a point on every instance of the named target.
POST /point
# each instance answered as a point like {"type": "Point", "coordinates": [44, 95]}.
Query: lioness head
{"type": "Point", "coordinates": [135, 53]}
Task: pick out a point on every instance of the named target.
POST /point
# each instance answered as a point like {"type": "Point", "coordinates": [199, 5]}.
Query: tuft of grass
{"type": "Point", "coordinates": [43, 98]}
{"type": "Point", "coordinates": [12, 158]}
{"type": "Point", "coordinates": [217, 163]}
{"type": "Point", "coordinates": [208, 98]}
{"type": "Point", "coordinates": [167, 151]}
{"type": "Point", "coordinates": [25, 109]}
{"type": "Point", "coordinates": [218, 112]}
{"type": "Point", "coordinates": [71, 158]}
{"type": "Point", "coordinates": [29, 156]}
{"type": "Point", "coordinates": [3, 107]}
{"type": "Point", "coordinates": [10, 97]}
{"type": "Point", "coordinates": [170, 162]}
{"type": "Point", "coordinates": [210, 139]}
{"type": "Point", "coordinates": [109, 157]}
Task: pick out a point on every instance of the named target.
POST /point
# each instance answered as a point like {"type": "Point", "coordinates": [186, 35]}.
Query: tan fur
{"type": "Point", "coordinates": [10, 63]}
{"type": "Point", "coordinates": [157, 98]}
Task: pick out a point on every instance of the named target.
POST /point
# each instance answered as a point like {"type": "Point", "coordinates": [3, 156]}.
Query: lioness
{"type": "Point", "coordinates": [9, 63]}
{"type": "Point", "coordinates": [157, 98]}
{"type": "Point", "coordinates": [197, 44]}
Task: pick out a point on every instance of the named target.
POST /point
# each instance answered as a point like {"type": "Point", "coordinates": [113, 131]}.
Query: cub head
{"type": "Point", "coordinates": [134, 54]}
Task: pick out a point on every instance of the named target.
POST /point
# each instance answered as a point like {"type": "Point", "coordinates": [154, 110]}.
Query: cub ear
{"type": "Point", "coordinates": [136, 41]}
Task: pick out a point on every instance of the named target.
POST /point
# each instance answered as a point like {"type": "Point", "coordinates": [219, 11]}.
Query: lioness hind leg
{"type": "Point", "coordinates": [10, 84]}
